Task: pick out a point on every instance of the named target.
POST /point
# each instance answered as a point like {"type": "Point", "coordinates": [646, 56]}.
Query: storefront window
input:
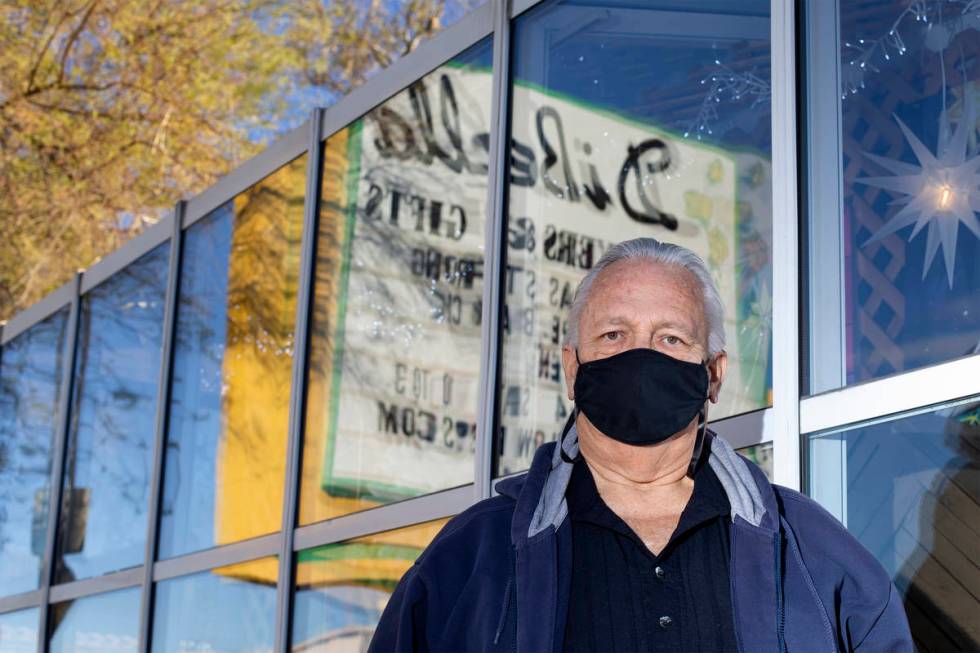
{"type": "Point", "coordinates": [395, 340]}
{"type": "Point", "coordinates": [232, 371]}
{"type": "Point", "coordinates": [893, 187]}
{"type": "Point", "coordinates": [18, 631]}
{"type": "Point", "coordinates": [908, 488]}
{"type": "Point", "coordinates": [31, 368]}
{"type": "Point", "coordinates": [633, 119]}
{"type": "Point", "coordinates": [761, 455]}
{"type": "Point", "coordinates": [96, 624]}
{"type": "Point", "coordinates": [231, 609]}
{"type": "Point", "coordinates": [342, 588]}
{"type": "Point", "coordinates": [107, 463]}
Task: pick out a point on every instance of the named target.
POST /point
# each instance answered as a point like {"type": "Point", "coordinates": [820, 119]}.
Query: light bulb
{"type": "Point", "coordinates": [945, 196]}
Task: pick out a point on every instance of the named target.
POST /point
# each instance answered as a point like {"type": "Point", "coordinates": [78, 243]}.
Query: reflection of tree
{"type": "Point", "coordinates": [263, 271]}
{"type": "Point", "coordinates": [108, 455]}
{"type": "Point", "coordinates": [30, 390]}
{"type": "Point", "coordinates": [939, 577]}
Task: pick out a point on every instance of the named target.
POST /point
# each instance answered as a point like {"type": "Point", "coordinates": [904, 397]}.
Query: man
{"type": "Point", "coordinates": [640, 531]}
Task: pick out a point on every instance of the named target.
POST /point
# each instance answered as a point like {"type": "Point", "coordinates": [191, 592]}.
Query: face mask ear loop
{"type": "Point", "coordinates": [564, 432]}
{"type": "Point", "coordinates": [698, 443]}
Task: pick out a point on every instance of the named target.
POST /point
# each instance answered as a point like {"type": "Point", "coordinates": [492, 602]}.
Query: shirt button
{"type": "Point", "coordinates": [665, 621]}
{"type": "Point", "coordinates": [659, 571]}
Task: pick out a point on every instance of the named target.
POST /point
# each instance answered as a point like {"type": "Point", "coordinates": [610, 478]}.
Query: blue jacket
{"type": "Point", "coordinates": [497, 577]}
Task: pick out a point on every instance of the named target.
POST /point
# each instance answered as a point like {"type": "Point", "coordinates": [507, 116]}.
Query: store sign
{"type": "Point", "coordinates": [408, 326]}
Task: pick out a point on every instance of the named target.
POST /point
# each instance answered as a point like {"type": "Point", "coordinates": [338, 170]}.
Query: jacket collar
{"type": "Point", "coordinates": [540, 493]}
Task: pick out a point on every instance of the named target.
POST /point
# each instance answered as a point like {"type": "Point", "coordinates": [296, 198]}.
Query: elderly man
{"type": "Point", "coordinates": [639, 530]}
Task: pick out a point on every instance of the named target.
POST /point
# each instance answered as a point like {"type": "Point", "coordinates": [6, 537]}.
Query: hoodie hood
{"type": "Point", "coordinates": [540, 494]}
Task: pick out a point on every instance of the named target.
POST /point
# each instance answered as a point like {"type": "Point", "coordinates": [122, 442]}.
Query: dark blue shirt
{"type": "Point", "coordinates": [625, 598]}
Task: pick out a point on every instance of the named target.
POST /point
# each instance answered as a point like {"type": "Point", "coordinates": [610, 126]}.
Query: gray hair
{"type": "Point", "coordinates": [650, 249]}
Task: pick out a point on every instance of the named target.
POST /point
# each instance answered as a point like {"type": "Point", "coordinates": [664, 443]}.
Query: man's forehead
{"type": "Point", "coordinates": [645, 278]}
{"type": "Point", "coordinates": [671, 291]}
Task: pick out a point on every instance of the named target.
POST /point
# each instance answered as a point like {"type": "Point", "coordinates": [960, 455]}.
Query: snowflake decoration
{"type": "Point", "coordinates": [939, 193]}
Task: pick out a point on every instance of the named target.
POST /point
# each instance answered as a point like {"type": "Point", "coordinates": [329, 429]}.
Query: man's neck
{"type": "Point", "coordinates": [647, 486]}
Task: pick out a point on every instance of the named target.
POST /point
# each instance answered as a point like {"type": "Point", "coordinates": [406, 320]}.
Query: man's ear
{"type": "Point", "coordinates": [569, 365]}
{"type": "Point", "coordinates": [717, 368]}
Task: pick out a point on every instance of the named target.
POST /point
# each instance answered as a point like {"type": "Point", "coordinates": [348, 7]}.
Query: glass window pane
{"type": "Point", "coordinates": [894, 188]}
{"type": "Point", "coordinates": [761, 455]}
{"type": "Point", "coordinates": [342, 588]}
{"type": "Point", "coordinates": [633, 119]}
{"type": "Point", "coordinates": [107, 462]}
{"type": "Point", "coordinates": [395, 341]}
{"type": "Point", "coordinates": [232, 370]}
{"type": "Point", "coordinates": [18, 631]}
{"type": "Point", "coordinates": [30, 392]}
{"type": "Point", "coordinates": [909, 489]}
{"type": "Point", "coordinates": [96, 624]}
{"type": "Point", "coordinates": [230, 609]}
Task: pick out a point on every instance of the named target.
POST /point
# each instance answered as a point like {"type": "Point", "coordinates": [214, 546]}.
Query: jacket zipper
{"type": "Point", "coordinates": [780, 630]}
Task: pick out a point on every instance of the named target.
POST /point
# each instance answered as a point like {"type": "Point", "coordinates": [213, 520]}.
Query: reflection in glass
{"type": "Point", "coordinates": [895, 261]}
{"type": "Point", "coordinates": [395, 344]}
{"type": "Point", "coordinates": [650, 120]}
{"type": "Point", "coordinates": [233, 357]}
{"type": "Point", "coordinates": [228, 610]}
{"type": "Point", "coordinates": [909, 489]}
{"type": "Point", "coordinates": [342, 588]}
{"type": "Point", "coordinates": [761, 455]}
{"type": "Point", "coordinates": [104, 623]}
{"type": "Point", "coordinates": [18, 631]}
{"type": "Point", "coordinates": [30, 391]}
{"type": "Point", "coordinates": [107, 462]}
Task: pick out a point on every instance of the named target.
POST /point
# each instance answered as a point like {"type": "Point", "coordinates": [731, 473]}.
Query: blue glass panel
{"type": "Point", "coordinates": [909, 489]}
{"type": "Point", "coordinates": [231, 609]}
{"type": "Point", "coordinates": [18, 631]}
{"type": "Point", "coordinates": [909, 235]}
{"type": "Point", "coordinates": [342, 588]}
{"type": "Point", "coordinates": [107, 463]}
{"type": "Point", "coordinates": [30, 391]}
{"type": "Point", "coordinates": [633, 119]}
{"type": "Point", "coordinates": [104, 623]}
{"type": "Point", "coordinates": [232, 370]}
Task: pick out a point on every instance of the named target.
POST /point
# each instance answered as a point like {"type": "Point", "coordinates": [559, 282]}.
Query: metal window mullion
{"type": "Point", "coordinates": [58, 461]}
{"type": "Point", "coordinates": [825, 329]}
{"type": "Point", "coordinates": [297, 397]}
{"type": "Point", "coordinates": [388, 517]}
{"type": "Point", "coordinates": [493, 251]}
{"type": "Point", "coordinates": [160, 433]}
{"type": "Point", "coordinates": [928, 386]}
{"type": "Point", "coordinates": [785, 254]}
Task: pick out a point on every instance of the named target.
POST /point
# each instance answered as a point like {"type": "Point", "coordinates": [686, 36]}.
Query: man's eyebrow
{"type": "Point", "coordinates": [615, 319]}
{"type": "Point", "coordinates": [678, 326]}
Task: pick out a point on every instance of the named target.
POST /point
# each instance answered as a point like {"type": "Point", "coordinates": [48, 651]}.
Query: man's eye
{"type": "Point", "coordinates": [672, 340]}
{"type": "Point", "coordinates": [611, 336]}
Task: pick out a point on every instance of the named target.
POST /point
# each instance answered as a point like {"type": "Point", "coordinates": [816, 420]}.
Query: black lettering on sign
{"type": "Point", "coordinates": [430, 263]}
{"type": "Point", "coordinates": [566, 190]}
{"type": "Point", "coordinates": [594, 189]}
{"type": "Point", "coordinates": [520, 234]}
{"type": "Point", "coordinates": [549, 363]}
{"type": "Point", "coordinates": [639, 163]}
{"type": "Point", "coordinates": [424, 214]}
{"type": "Point", "coordinates": [516, 401]}
{"type": "Point", "coordinates": [447, 307]}
{"type": "Point", "coordinates": [569, 248]}
{"type": "Point", "coordinates": [407, 421]}
{"type": "Point", "coordinates": [395, 136]}
{"type": "Point", "coordinates": [523, 167]}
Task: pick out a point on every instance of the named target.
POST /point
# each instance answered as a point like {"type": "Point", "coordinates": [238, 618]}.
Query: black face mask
{"type": "Point", "coordinates": [641, 396]}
